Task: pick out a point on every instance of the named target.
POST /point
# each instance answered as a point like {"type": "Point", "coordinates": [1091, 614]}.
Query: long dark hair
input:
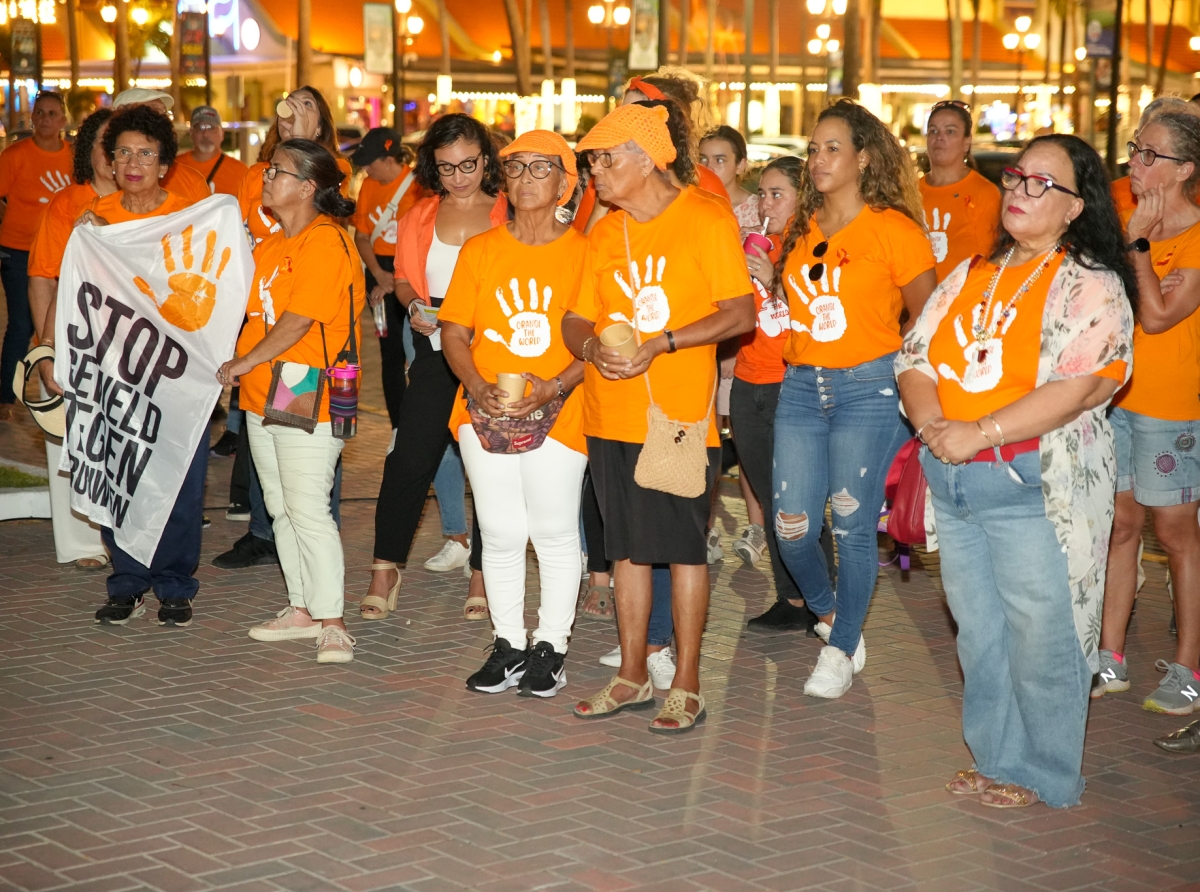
{"type": "Point", "coordinates": [315, 162]}
{"type": "Point", "coordinates": [1096, 238]}
{"type": "Point", "coordinates": [446, 131]}
{"type": "Point", "coordinates": [84, 140]}
{"type": "Point", "coordinates": [680, 128]}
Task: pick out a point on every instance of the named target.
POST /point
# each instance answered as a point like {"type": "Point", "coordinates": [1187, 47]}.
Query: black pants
{"type": "Point", "coordinates": [752, 417]}
{"type": "Point", "coordinates": [593, 527]}
{"type": "Point", "coordinates": [391, 348]}
{"type": "Point", "coordinates": [423, 432]}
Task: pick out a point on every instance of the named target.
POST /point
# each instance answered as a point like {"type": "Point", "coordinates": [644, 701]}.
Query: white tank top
{"type": "Point", "coordinates": [439, 267]}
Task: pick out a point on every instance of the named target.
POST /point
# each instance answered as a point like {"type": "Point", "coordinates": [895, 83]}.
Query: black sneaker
{"type": "Point", "coordinates": [248, 551]}
{"type": "Point", "coordinates": [175, 613]}
{"type": "Point", "coordinates": [226, 446]}
{"type": "Point", "coordinates": [119, 611]}
{"type": "Point", "coordinates": [783, 616]}
{"type": "Point", "coordinates": [237, 513]}
{"type": "Point", "coordinates": [504, 668]}
{"type": "Point", "coordinates": [545, 675]}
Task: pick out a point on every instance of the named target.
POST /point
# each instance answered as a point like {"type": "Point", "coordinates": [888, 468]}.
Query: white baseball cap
{"type": "Point", "coordinates": [140, 96]}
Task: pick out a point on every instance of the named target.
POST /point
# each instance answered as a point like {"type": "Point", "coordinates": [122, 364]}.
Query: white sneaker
{"type": "Point", "coordinates": [715, 551]}
{"type": "Point", "coordinates": [824, 630]}
{"type": "Point", "coordinates": [662, 668]}
{"type": "Point", "coordinates": [612, 658]}
{"type": "Point", "coordinates": [832, 677]}
{"type": "Point", "coordinates": [750, 547]}
{"type": "Point", "coordinates": [451, 557]}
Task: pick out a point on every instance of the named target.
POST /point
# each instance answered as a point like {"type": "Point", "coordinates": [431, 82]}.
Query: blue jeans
{"type": "Point", "coordinates": [14, 275]}
{"type": "Point", "coordinates": [1025, 679]}
{"type": "Point", "coordinates": [171, 570]}
{"type": "Point", "coordinates": [450, 487]}
{"type": "Point", "coordinates": [260, 520]}
{"type": "Point", "coordinates": [836, 433]}
{"type": "Point", "coordinates": [662, 624]}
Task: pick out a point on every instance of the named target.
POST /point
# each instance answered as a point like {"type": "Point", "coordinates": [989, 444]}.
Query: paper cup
{"type": "Point", "coordinates": [758, 241]}
{"type": "Point", "coordinates": [513, 385]}
{"type": "Point", "coordinates": [283, 109]}
{"type": "Point", "coordinates": [620, 337]}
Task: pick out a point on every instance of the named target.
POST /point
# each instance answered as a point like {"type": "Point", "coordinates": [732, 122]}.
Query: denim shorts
{"type": "Point", "coordinates": [1157, 459]}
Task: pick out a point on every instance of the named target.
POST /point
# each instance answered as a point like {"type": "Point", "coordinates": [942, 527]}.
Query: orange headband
{"type": "Point", "coordinates": [644, 126]}
{"type": "Point", "coordinates": [646, 89]}
{"type": "Point", "coordinates": [550, 144]}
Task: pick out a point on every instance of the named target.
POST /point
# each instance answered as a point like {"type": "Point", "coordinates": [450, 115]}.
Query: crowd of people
{"type": "Point", "coordinates": [574, 329]}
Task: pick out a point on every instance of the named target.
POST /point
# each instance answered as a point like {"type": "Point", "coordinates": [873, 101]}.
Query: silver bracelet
{"type": "Point", "coordinates": [561, 391]}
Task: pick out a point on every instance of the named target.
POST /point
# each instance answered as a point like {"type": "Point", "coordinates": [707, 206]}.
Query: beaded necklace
{"type": "Point", "coordinates": [981, 330]}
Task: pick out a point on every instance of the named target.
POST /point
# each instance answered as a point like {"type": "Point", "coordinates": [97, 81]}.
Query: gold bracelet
{"type": "Point", "coordinates": [985, 434]}
{"type": "Point", "coordinates": [583, 349]}
{"type": "Point", "coordinates": [996, 423]}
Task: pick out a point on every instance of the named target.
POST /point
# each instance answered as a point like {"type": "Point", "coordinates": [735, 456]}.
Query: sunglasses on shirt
{"type": "Point", "coordinates": [818, 269]}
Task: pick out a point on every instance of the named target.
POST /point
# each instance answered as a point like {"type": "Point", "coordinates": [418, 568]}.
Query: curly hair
{"type": "Point", "coordinates": [315, 162]}
{"type": "Point", "coordinates": [1096, 238]}
{"type": "Point", "coordinates": [889, 179]}
{"type": "Point", "coordinates": [326, 133]}
{"type": "Point", "coordinates": [446, 131]}
{"type": "Point", "coordinates": [1184, 128]}
{"type": "Point", "coordinates": [689, 90]}
{"type": "Point", "coordinates": [84, 140]}
{"type": "Point", "coordinates": [149, 123]}
{"type": "Point", "coordinates": [684, 165]}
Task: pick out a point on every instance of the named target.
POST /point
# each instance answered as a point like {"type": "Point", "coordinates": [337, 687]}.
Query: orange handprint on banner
{"type": "Point", "coordinates": [193, 294]}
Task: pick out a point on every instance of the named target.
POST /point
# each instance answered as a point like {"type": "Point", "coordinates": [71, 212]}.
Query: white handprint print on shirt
{"type": "Point", "coordinates": [271, 223]}
{"type": "Point", "coordinates": [829, 316]}
{"type": "Point", "coordinates": [937, 235]}
{"type": "Point", "coordinates": [650, 306]}
{"type": "Point", "coordinates": [531, 330]}
{"type": "Point", "coordinates": [53, 181]}
{"type": "Point", "coordinates": [985, 359]}
{"type": "Point", "coordinates": [264, 294]}
{"type": "Point", "coordinates": [389, 230]}
{"type": "Point", "coordinates": [773, 318]}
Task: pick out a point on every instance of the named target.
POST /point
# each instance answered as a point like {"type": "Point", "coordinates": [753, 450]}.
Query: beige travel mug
{"type": "Point", "coordinates": [513, 385]}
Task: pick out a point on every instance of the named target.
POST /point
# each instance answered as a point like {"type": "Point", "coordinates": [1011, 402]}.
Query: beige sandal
{"type": "Point", "coordinates": [966, 783]}
{"type": "Point", "coordinates": [604, 602]}
{"type": "Point", "coordinates": [675, 710]}
{"type": "Point", "coordinates": [98, 562]}
{"type": "Point", "coordinates": [1010, 796]}
{"type": "Point", "coordinates": [476, 601]}
{"type": "Point", "coordinates": [603, 704]}
{"type": "Point", "coordinates": [384, 607]}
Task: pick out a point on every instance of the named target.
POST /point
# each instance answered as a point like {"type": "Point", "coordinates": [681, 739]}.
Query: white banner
{"type": "Point", "coordinates": [148, 310]}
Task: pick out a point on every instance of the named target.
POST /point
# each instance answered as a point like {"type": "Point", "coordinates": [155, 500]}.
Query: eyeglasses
{"type": "Point", "coordinates": [818, 269]}
{"type": "Point", "coordinates": [1149, 156]}
{"type": "Point", "coordinates": [950, 103]}
{"type": "Point", "coordinates": [273, 171]}
{"type": "Point", "coordinates": [538, 169]}
{"type": "Point", "coordinates": [143, 156]}
{"type": "Point", "coordinates": [446, 169]}
{"type": "Point", "coordinates": [605, 158]}
{"type": "Point", "coordinates": [1035, 186]}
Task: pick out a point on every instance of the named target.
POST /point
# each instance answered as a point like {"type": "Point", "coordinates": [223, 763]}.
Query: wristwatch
{"type": "Point", "coordinates": [1141, 245]}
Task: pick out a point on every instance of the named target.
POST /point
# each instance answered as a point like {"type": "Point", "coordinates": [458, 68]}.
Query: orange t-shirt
{"type": "Point", "coordinates": [186, 182]}
{"type": "Point", "coordinates": [29, 177]}
{"type": "Point", "coordinates": [760, 358]}
{"type": "Point", "coordinates": [961, 218]}
{"type": "Point", "coordinates": [1166, 366]}
{"type": "Point", "coordinates": [373, 199]}
{"type": "Point", "coordinates": [851, 315]}
{"type": "Point", "coordinates": [1122, 194]}
{"type": "Point", "coordinates": [228, 178]}
{"type": "Point", "coordinates": [109, 208]}
{"type": "Point", "coordinates": [514, 297]}
{"type": "Point", "coordinates": [309, 274]}
{"type": "Point", "coordinates": [55, 227]}
{"type": "Point", "coordinates": [687, 259]}
{"type": "Point", "coordinates": [258, 219]}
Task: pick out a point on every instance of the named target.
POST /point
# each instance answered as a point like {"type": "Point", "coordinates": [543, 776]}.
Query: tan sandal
{"type": "Point", "coordinates": [383, 606]}
{"type": "Point", "coordinates": [1010, 796]}
{"type": "Point", "coordinates": [967, 783]}
{"type": "Point", "coordinates": [675, 710]}
{"type": "Point", "coordinates": [476, 601]}
{"type": "Point", "coordinates": [98, 562]}
{"type": "Point", "coordinates": [603, 704]}
{"type": "Point", "coordinates": [604, 602]}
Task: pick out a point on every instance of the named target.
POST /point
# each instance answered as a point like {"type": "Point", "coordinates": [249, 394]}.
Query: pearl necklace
{"type": "Point", "coordinates": [983, 333]}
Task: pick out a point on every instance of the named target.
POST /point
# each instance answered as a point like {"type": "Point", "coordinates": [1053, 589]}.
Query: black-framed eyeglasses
{"type": "Point", "coordinates": [1035, 185]}
{"type": "Point", "coordinates": [818, 269]}
{"type": "Point", "coordinates": [446, 169]}
{"type": "Point", "coordinates": [604, 158]}
{"type": "Point", "coordinates": [538, 169]}
{"type": "Point", "coordinates": [950, 103]}
{"type": "Point", "coordinates": [273, 171]}
{"type": "Point", "coordinates": [1149, 156]}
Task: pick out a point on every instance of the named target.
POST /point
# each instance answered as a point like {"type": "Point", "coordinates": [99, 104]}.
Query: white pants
{"type": "Point", "coordinates": [533, 496]}
{"type": "Point", "coordinates": [296, 472]}
{"type": "Point", "coordinates": [75, 536]}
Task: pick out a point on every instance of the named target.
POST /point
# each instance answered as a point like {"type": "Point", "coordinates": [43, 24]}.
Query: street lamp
{"type": "Point", "coordinates": [404, 28]}
{"type": "Point", "coordinates": [1020, 41]}
{"type": "Point", "coordinates": [822, 47]}
{"type": "Point", "coordinates": [609, 16]}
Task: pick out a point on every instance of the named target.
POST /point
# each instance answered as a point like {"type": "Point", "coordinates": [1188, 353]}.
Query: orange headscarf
{"type": "Point", "coordinates": [646, 88]}
{"type": "Point", "coordinates": [550, 144]}
{"type": "Point", "coordinates": [645, 127]}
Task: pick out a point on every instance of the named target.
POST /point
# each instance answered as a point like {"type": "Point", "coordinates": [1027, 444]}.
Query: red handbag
{"type": "Point", "coordinates": [905, 490]}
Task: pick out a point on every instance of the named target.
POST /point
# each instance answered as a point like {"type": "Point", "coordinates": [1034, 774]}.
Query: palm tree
{"type": "Point", "coordinates": [1162, 65]}
{"type": "Point", "coordinates": [956, 57]}
{"type": "Point", "coordinates": [520, 45]}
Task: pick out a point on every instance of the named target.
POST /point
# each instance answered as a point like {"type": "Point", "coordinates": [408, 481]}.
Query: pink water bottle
{"type": "Point", "coordinates": [343, 400]}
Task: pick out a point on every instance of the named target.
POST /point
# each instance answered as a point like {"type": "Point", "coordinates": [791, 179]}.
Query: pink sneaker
{"type": "Point", "coordinates": [289, 623]}
{"type": "Point", "coordinates": [335, 646]}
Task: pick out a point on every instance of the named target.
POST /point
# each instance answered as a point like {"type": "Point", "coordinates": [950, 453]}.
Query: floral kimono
{"type": "Point", "coordinates": [1087, 325]}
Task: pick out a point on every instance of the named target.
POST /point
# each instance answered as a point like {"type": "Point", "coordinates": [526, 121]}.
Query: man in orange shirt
{"type": "Point", "coordinates": [181, 180]}
{"type": "Point", "coordinates": [223, 173]}
{"type": "Point", "coordinates": [31, 171]}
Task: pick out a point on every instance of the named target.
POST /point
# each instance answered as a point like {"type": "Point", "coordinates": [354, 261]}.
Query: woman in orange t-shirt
{"type": "Point", "coordinates": [962, 208]}
{"type": "Point", "coordinates": [1006, 375]}
{"type": "Point", "coordinates": [670, 265]}
{"type": "Point", "coordinates": [855, 258]}
{"type": "Point", "coordinates": [503, 315]}
{"type": "Point", "coordinates": [1156, 418]}
{"type": "Point", "coordinates": [308, 292]}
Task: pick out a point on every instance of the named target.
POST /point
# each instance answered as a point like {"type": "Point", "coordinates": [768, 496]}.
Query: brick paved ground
{"type": "Point", "coordinates": [140, 758]}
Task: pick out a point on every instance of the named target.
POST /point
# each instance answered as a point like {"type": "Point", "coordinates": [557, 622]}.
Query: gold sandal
{"type": "Point", "coordinates": [971, 777]}
{"type": "Point", "coordinates": [603, 704]}
{"type": "Point", "coordinates": [675, 710]}
{"type": "Point", "coordinates": [1012, 796]}
{"type": "Point", "coordinates": [383, 606]}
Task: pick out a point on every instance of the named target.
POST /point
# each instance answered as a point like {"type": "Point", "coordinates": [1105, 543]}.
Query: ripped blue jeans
{"type": "Point", "coordinates": [836, 433]}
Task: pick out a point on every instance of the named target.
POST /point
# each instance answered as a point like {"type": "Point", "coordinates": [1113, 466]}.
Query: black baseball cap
{"type": "Point", "coordinates": [379, 142]}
